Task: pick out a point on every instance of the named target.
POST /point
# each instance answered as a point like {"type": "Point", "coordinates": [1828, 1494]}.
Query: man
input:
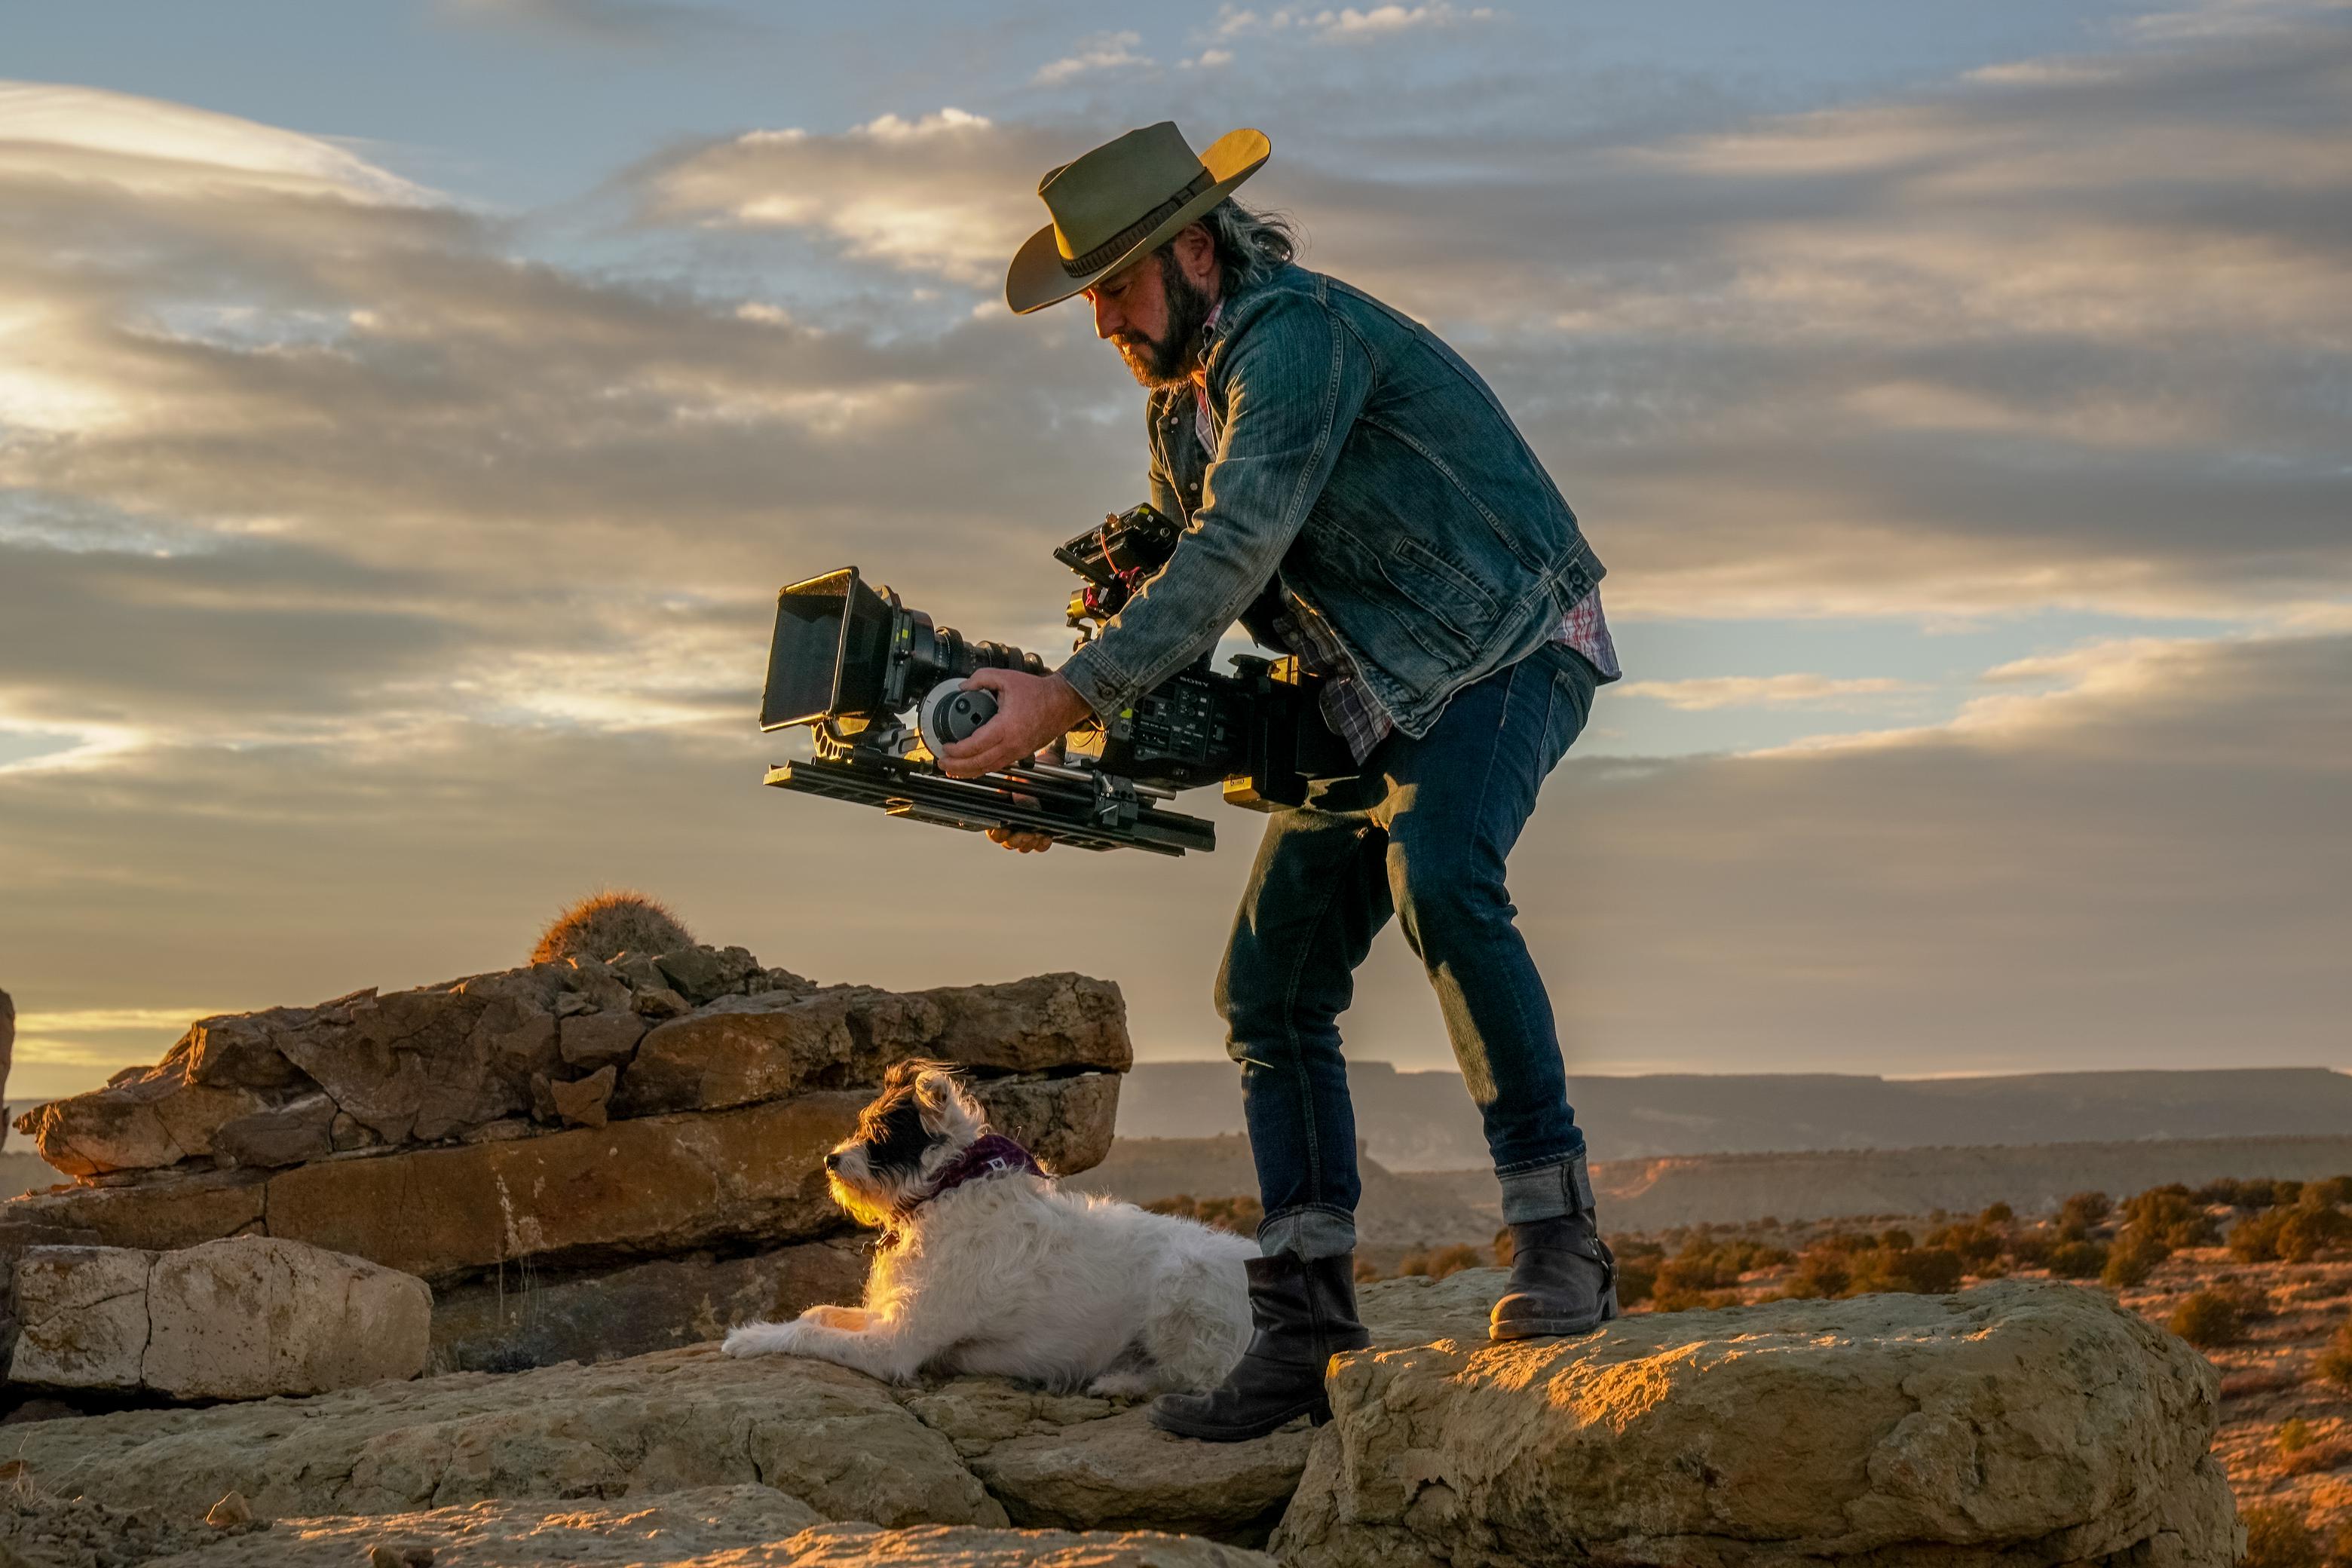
{"type": "Point", "coordinates": [1355, 494]}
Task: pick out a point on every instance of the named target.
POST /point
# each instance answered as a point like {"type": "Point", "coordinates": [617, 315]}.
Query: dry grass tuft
{"type": "Point", "coordinates": [610, 923]}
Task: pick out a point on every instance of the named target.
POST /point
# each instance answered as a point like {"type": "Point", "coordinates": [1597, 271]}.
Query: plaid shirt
{"type": "Point", "coordinates": [1348, 706]}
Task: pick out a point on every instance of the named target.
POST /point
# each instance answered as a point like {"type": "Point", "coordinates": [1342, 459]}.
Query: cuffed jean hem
{"type": "Point", "coordinates": [1309, 1231]}
{"type": "Point", "coordinates": [1547, 1192]}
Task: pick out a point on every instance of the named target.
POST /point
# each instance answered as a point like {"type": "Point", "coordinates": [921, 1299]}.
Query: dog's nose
{"type": "Point", "coordinates": [833, 1162]}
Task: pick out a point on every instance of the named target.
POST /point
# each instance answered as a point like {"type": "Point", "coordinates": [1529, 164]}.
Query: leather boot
{"type": "Point", "coordinates": [1305, 1310]}
{"type": "Point", "coordinates": [1563, 1280]}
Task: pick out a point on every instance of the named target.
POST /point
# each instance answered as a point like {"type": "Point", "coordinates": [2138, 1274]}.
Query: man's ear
{"type": "Point", "coordinates": [1196, 254]}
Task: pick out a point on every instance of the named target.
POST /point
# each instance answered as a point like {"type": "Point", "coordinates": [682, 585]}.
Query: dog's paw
{"type": "Point", "coordinates": [762, 1339]}
{"type": "Point", "coordinates": [829, 1317]}
{"type": "Point", "coordinates": [1120, 1386]}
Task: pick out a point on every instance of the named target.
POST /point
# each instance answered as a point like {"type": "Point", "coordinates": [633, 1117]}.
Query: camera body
{"type": "Point", "coordinates": [851, 662]}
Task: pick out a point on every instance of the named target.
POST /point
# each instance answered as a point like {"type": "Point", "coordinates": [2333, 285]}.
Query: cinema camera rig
{"type": "Point", "coordinates": [852, 663]}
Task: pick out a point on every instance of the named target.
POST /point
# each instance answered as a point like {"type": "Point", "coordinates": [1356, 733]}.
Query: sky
{"type": "Point", "coordinates": [407, 412]}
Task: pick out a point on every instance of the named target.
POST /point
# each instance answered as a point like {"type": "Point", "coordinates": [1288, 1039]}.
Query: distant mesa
{"type": "Point", "coordinates": [1423, 1120]}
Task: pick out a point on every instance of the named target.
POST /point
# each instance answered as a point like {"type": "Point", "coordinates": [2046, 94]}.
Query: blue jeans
{"type": "Point", "coordinates": [1422, 833]}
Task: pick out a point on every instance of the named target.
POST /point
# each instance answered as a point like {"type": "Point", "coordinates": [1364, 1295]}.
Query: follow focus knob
{"type": "Point", "coordinates": [949, 714]}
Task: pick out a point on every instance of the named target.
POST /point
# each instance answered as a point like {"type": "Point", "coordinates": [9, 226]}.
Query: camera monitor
{"type": "Point", "coordinates": [829, 653]}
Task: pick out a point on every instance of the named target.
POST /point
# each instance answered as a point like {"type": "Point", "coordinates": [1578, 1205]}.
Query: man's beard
{"type": "Point", "coordinates": [1173, 358]}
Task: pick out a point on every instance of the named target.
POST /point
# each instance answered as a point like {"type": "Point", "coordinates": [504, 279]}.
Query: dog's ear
{"type": "Point", "coordinates": [947, 1106]}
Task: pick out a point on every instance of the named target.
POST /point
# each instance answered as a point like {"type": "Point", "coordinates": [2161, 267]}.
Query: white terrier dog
{"type": "Point", "coordinates": [990, 1267]}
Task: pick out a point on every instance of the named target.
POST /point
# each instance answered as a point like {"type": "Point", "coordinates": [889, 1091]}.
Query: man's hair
{"type": "Point", "coordinates": [1251, 244]}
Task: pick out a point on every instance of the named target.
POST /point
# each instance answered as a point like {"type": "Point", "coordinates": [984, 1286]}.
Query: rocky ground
{"type": "Point", "coordinates": [2021, 1422]}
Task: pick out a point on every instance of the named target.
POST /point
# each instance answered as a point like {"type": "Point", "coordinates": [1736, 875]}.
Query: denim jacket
{"type": "Point", "coordinates": [1364, 468]}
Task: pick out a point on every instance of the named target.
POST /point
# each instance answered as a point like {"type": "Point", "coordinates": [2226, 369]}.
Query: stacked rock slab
{"type": "Point", "coordinates": [2017, 1424]}
{"type": "Point", "coordinates": [537, 1128]}
{"type": "Point", "coordinates": [243, 1317]}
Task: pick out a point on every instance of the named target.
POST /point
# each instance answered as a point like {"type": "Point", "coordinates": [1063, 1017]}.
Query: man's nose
{"type": "Point", "coordinates": [1106, 318]}
{"type": "Point", "coordinates": [833, 1161]}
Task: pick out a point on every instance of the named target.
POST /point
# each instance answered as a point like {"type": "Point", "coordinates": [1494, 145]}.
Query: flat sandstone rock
{"type": "Point", "coordinates": [2015, 1423]}
{"type": "Point", "coordinates": [835, 1439]}
{"type": "Point", "coordinates": [719, 1527]}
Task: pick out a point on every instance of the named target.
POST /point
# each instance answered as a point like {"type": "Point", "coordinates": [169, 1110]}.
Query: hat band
{"type": "Point", "coordinates": [1116, 245]}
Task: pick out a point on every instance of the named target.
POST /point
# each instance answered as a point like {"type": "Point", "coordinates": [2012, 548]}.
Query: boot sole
{"type": "Point", "coordinates": [1319, 1412]}
{"type": "Point", "coordinates": [1554, 1327]}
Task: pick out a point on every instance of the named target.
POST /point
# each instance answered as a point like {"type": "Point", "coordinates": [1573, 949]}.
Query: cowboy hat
{"type": "Point", "coordinates": [1120, 202]}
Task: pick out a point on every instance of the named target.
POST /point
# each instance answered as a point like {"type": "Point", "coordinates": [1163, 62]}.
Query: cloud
{"type": "Point", "coordinates": [1930, 342]}
{"type": "Point", "coordinates": [143, 145]}
{"type": "Point", "coordinates": [612, 24]}
{"type": "Point", "coordinates": [1709, 692]}
{"type": "Point", "coordinates": [950, 193]}
{"type": "Point", "coordinates": [1102, 52]}
{"type": "Point", "coordinates": [1346, 23]}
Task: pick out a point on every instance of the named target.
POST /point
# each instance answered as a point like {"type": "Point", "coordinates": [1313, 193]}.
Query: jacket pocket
{"type": "Point", "coordinates": [1441, 585]}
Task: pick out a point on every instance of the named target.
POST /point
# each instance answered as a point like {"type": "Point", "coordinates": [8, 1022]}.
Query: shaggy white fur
{"type": "Point", "coordinates": [1008, 1274]}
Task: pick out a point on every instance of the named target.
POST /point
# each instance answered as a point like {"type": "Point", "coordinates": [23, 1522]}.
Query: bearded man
{"type": "Point", "coordinates": [1357, 496]}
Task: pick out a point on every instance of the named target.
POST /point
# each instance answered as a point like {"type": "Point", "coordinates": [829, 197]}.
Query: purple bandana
{"type": "Point", "coordinates": [991, 1155]}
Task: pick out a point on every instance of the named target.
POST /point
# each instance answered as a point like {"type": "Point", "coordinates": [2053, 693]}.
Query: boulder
{"type": "Point", "coordinates": [300, 1129]}
{"type": "Point", "coordinates": [1120, 1472]}
{"type": "Point", "coordinates": [145, 1117]}
{"type": "Point", "coordinates": [647, 1187]}
{"type": "Point", "coordinates": [239, 1319]}
{"type": "Point", "coordinates": [742, 1049]}
{"type": "Point", "coordinates": [82, 1316]}
{"type": "Point", "coordinates": [835, 1439]}
{"type": "Point", "coordinates": [502, 1325]}
{"type": "Point", "coordinates": [2015, 1423]}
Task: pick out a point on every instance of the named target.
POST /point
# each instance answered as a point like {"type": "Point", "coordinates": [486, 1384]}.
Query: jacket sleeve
{"type": "Point", "coordinates": [1294, 385]}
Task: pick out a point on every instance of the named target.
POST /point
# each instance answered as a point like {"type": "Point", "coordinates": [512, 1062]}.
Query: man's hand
{"type": "Point", "coordinates": [1031, 711]}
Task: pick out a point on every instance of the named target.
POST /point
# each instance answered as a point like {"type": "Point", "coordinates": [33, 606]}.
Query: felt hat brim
{"type": "Point", "coordinates": [1037, 278]}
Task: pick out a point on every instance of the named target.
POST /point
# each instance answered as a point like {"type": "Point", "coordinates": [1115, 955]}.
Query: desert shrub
{"type": "Point", "coordinates": [2335, 1363]}
{"type": "Point", "coordinates": [1440, 1263]}
{"type": "Point", "coordinates": [2079, 1212]}
{"type": "Point", "coordinates": [2078, 1260]}
{"type": "Point", "coordinates": [1701, 1266]}
{"type": "Point", "coordinates": [2239, 1193]}
{"type": "Point", "coordinates": [2171, 1216]}
{"type": "Point", "coordinates": [1920, 1271]}
{"type": "Point", "coordinates": [2208, 1318]}
{"type": "Point", "coordinates": [1975, 1243]}
{"type": "Point", "coordinates": [1691, 1300]}
{"type": "Point", "coordinates": [1897, 1239]}
{"type": "Point", "coordinates": [2294, 1435]}
{"type": "Point", "coordinates": [1242, 1216]}
{"type": "Point", "coordinates": [1366, 1271]}
{"type": "Point", "coordinates": [2032, 1248]}
{"type": "Point", "coordinates": [1997, 1214]}
{"type": "Point", "coordinates": [2331, 1189]}
{"type": "Point", "coordinates": [1637, 1276]}
{"type": "Point", "coordinates": [605, 924]}
{"type": "Point", "coordinates": [2132, 1259]}
{"type": "Point", "coordinates": [2290, 1235]}
{"type": "Point", "coordinates": [2276, 1537]}
{"type": "Point", "coordinates": [1822, 1270]}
